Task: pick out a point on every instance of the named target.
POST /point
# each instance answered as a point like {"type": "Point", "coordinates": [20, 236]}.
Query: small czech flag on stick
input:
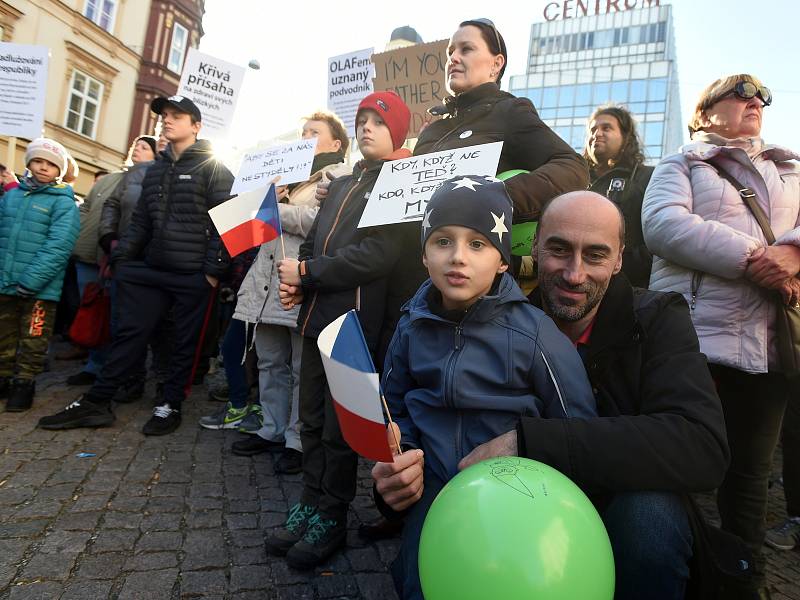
{"type": "Point", "coordinates": [354, 387]}
{"type": "Point", "coordinates": [248, 220]}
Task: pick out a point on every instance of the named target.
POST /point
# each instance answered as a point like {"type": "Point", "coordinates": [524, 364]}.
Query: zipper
{"type": "Point", "coordinates": [555, 383]}
{"type": "Point", "coordinates": [325, 246]}
{"type": "Point", "coordinates": [697, 278]}
{"type": "Point", "coordinates": [449, 400]}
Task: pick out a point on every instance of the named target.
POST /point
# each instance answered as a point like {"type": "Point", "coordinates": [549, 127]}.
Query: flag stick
{"type": "Point", "coordinates": [283, 246]}
{"type": "Point", "coordinates": [391, 424]}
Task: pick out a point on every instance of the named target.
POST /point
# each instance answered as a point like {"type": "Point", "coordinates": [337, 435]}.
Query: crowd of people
{"type": "Point", "coordinates": [644, 365]}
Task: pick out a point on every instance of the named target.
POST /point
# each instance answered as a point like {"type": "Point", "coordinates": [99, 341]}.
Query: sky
{"type": "Point", "coordinates": [293, 41]}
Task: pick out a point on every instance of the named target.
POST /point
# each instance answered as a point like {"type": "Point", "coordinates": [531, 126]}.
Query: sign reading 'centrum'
{"type": "Point", "coordinates": [569, 9]}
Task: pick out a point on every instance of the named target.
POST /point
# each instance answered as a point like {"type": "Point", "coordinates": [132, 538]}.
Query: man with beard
{"type": "Point", "coordinates": [660, 433]}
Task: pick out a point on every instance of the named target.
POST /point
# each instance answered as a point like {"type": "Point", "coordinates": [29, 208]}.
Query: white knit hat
{"type": "Point", "coordinates": [49, 150]}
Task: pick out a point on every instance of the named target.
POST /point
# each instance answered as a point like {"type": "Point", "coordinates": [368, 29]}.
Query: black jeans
{"type": "Point", "coordinates": [753, 406]}
{"type": "Point", "coordinates": [791, 450]}
{"type": "Point", "coordinates": [329, 465]}
{"type": "Point", "coordinates": [144, 297]}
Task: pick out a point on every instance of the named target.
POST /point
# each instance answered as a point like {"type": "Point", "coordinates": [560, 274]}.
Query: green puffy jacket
{"type": "Point", "coordinates": [38, 229]}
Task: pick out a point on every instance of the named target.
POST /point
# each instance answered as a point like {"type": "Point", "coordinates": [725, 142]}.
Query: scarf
{"type": "Point", "coordinates": [751, 145]}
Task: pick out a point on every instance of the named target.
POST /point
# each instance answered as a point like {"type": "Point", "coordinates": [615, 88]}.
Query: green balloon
{"type": "Point", "coordinates": [514, 528]}
{"type": "Point", "coordinates": [509, 174]}
{"type": "Point", "coordinates": [522, 238]}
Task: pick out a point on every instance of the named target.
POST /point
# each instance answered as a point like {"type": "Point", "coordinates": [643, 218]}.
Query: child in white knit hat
{"type": "Point", "coordinates": [39, 224]}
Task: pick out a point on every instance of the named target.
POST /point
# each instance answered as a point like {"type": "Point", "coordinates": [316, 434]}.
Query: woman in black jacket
{"type": "Point", "coordinates": [479, 112]}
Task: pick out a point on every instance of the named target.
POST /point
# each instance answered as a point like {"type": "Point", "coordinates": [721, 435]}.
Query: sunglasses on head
{"type": "Point", "coordinates": [488, 23]}
{"type": "Point", "coordinates": [747, 90]}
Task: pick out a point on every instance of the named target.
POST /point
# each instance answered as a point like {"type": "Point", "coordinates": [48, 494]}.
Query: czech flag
{"type": "Point", "coordinates": [354, 386]}
{"type": "Point", "coordinates": [248, 220]}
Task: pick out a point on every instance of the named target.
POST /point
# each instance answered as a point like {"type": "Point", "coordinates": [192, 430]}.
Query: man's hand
{"type": "Point", "coordinates": [400, 482]}
{"type": "Point", "coordinates": [290, 295]}
{"type": "Point", "coordinates": [322, 187]}
{"type": "Point", "coordinates": [770, 267]}
{"type": "Point", "coordinates": [289, 271]}
{"type": "Point", "coordinates": [212, 281]}
{"type": "Point", "coordinates": [504, 445]}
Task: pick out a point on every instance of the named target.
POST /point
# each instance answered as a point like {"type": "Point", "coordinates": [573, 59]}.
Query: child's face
{"type": "Point", "coordinates": [177, 126]}
{"type": "Point", "coordinates": [374, 138]}
{"type": "Point", "coordinates": [462, 264]}
{"type": "Point", "coordinates": [43, 170]}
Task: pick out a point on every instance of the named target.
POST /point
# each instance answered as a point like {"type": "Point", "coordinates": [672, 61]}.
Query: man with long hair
{"type": "Point", "coordinates": [617, 171]}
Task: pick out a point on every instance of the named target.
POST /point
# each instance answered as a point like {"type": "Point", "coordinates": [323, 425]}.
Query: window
{"type": "Point", "coordinates": [180, 35]}
{"type": "Point", "coordinates": [101, 12]}
{"type": "Point", "coordinates": [638, 90]}
{"type": "Point", "coordinates": [653, 133]}
{"type": "Point", "coordinates": [84, 104]}
{"type": "Point", "coordinates": [619, 92]}
{"type": "Point", "coordinates": [658, 89]}
{"type": "Point", "coordinates": [550, 97]}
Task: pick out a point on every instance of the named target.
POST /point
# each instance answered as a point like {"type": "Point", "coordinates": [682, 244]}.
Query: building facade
{"type": "Point", "coordinates": [590, 53]}
{"type": "Point", "coordinates": [99, 60]}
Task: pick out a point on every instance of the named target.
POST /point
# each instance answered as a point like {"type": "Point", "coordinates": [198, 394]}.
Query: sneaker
{"type": "Point", "coordinates": [254, 420]}
{"type": "Point", "coordinates": [165, 420]}
{"type": "Point", "coordinates": [285, 537]}
{"type": "Point", "coordinates": [226, 417]}
{"type": "Point", "coordinates": [785, 536]}
{"type": "Point", "coordinates": [290, 462]}
{"type": "Point", "coordinates": [322, 538]}
{"type": "Point", "coordinates": [82, 378]}
{"type": "Point", "coordinates": [20, 395]}
{"type": "Point", "coordinates": [254, 444]}
{"type": "Point", "coordinates": [81, 413]}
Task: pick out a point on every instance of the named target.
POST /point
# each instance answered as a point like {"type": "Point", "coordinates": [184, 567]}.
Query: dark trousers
{"type": "Point", "coordinates": [329, 465]}
{"type": "Point", "coordinates": [233, 348]}
{"type": "Point", "coordinates": [753, 406]}
{"type": "Point", "coordinates": [791, 450]}
{"type": "Point", "coordinates": [26, 325]}
{"type": "Point", "coordinates": [144, 297]}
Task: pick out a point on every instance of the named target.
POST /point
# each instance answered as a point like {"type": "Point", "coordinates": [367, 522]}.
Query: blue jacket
{"type": "Point", "coordinates": [453, 386]}
{"type": "Point", "coordinates": [38, 229]}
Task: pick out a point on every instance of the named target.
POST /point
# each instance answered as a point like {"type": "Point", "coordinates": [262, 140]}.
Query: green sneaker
{"type": "Point", "coordinates": [226, 417]}
{"type": "Point", "coordinates": [253, 420]}
{"type": "Point", "coordinates": [292, 531]}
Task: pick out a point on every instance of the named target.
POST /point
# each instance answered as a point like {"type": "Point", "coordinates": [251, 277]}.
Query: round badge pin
{"type": "Point", "coordinates": [464, 135]}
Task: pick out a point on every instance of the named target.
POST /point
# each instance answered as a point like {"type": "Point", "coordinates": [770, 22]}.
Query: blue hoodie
{"type": "Point", "coordinates": [452, 386]}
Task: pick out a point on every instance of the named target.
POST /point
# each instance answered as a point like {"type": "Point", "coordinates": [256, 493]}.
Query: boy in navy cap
{"type": "Point", "coordinates": [469, 356]}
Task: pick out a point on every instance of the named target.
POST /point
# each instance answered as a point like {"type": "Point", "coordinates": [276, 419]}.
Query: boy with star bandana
{"type": "Point", "coordinates": [470, 356]}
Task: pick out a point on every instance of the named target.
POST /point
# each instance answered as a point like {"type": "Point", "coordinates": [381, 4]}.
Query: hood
{"type": "Point", "coordinates": [483, 310]}
{"type": "Point", "coordinates": [702, 150]}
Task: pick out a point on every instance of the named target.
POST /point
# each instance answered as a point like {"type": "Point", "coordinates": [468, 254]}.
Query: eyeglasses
{"type": "Point", "coordinates": [488, 23]}
{"type": "Point", "coordinates": [747, 90]}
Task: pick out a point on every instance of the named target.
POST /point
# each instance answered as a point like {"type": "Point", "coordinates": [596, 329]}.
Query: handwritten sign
{"type": "Point", "coordinates": [213, 85]}
{"type": "Point", "coordinates": [349, 82]}
{"type": "Point", "coordinates": [404, 186]}
{"type": "Point", "coordinates": [417, 74]}
{"type": "Point", "coordinates": [291, 161]}
{"type": "Point", "coordinates": [23, 87]}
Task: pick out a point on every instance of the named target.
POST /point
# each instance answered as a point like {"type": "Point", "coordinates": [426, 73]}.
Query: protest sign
{"type": "Point", "coordinates": [404, 186]}
{"type": "Point", "coordinates": [417, 74]}
{"type": "Point", "coordinates": [23, 85]}
{"type": "Point", "coordinates": [291, 161]}
{"type": "Point", "coordinates": [349, 81]}
{"type": "Point", "coordinates": [214, 86]}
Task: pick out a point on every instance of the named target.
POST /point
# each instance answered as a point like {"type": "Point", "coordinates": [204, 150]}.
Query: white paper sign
{"type": "Point", "coordinates": [23, 86]}
{"type": "Point", "coordinates": [291, 161]}
{"type": "Point", "coordinates": [214, 86]}
{"type": "Point", "coordinates": [404, 186]}
{"type": "Point", "coordinates": [349, 82]}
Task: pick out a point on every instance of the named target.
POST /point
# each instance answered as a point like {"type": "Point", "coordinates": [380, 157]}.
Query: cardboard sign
{"type": "Point", "coordinates": [349, 82]}
{"type": "Point", "coordinates": [23, 86]}
{"type": "Point", "coordinates": [404, 186]}
{"type": "Point", "coordinates": [417, 74]}
{"type": "Point", "coordinates": [214, 86]}
{"type": "Point", "coordinates": [291, 161]}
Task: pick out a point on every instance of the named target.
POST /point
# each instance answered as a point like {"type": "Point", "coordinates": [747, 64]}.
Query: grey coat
{"type": "Point", "coordinates": [118, 208]}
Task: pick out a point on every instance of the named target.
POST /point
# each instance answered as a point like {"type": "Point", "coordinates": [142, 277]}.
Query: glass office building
{"type": "Point", "coordinates": [625, 57]}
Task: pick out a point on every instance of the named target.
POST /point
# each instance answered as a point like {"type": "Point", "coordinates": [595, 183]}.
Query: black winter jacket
{"type": "Point", "coordinates": [347, 267]}
{"type": "Point", "coordinates": [171, 228]}
{"type": "Point", "coordinates": [625, 187]}
{"type": "Point", "coordinates": [661, 426]}
{"type": "Point", "coordinates": [487, 114]}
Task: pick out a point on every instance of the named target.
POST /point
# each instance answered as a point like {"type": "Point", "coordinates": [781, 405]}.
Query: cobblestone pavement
{"type": "Point", "coordinates": [175, 517]}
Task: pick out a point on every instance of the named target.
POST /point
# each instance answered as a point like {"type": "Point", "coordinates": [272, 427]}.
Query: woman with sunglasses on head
{"type": "Point", "coordinates": [709, 245]}
{"type": "Point", "coordinates": [479, 112]}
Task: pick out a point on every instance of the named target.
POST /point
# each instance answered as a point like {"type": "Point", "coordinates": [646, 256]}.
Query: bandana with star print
{"type": "Point", "coordinates": [475, 201]}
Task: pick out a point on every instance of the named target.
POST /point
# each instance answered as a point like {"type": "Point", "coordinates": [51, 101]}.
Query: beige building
{"type": "Point", "coordinates": [95, 57]}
